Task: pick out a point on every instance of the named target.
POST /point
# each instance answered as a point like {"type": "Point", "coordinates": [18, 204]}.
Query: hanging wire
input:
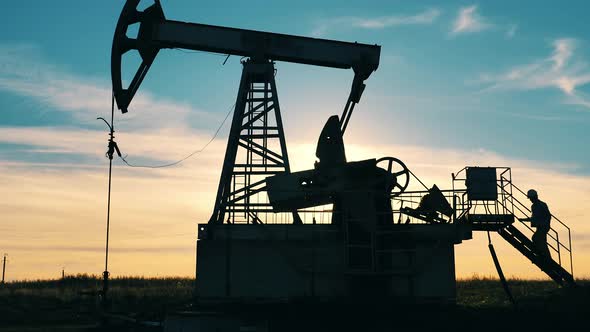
{"type": "Point", "coordinates": [188, 156]}
{"type": "Point", "coordinates": [203, 52]}
{"type": "Point", "coordinates": [224, 61]}
{"type": "Point", "coordinates": [422, 183]}
{"type": "Point", "coordinates": [197, 51]}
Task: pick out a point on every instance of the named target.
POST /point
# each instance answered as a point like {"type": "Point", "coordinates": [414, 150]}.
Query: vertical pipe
{"type": "Point", "coordinates": [570, 250]}
{"type": "Point", "coordinates": [3, 268]}
{"type": "Point", "coordinates": [454, 208]}
{"type": "Point", "coordinates": [558, 247]}
{"type": "Point", "coordinates": [105, 274]}
{"type": "Point", "coordinates": [499, 269]}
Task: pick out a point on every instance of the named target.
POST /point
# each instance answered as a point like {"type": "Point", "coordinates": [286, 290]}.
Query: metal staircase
{"type": "Point", "coordinates": [490, 202]}
{"type": "Point", "coordinates": [526, 247]}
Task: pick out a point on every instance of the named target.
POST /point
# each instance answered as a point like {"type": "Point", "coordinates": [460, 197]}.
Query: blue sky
{"type": "Point", "coordinates": [444, 77]}
{"type": "Point", "coordinates": [494, 82]}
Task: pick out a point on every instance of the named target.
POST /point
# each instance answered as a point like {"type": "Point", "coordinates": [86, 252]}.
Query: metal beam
{"type": "Point", "coordinates": [266, 45]}
{"type": "Point", "coordinates": [155, 33]}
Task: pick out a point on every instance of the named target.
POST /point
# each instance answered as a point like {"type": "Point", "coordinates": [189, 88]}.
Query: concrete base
{"type": "Point", "coordinates": [284, 263]}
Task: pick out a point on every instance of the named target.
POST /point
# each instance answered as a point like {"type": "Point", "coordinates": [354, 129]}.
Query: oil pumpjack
{"type": "Point", "coordinates": [257, 247]}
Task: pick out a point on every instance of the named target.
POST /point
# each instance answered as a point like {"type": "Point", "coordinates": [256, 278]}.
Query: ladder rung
{"type": "Point", "coordinates": [257, 99]}
{"type": "Point", "coordinates": [263, 127]}
{"type": "Point", "coordinates": [259, 136]}
{"type": "Point", "coordinates": [260, 172]}
{"type": "Point", "coordinates": [260, 165]}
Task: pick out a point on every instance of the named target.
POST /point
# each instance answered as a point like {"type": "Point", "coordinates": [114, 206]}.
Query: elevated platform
{"type": "Point", "coordinates": [486, 199]}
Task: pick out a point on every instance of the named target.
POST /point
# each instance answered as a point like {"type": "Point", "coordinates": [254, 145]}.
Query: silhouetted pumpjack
{"type": "Point", "coordinates": [380, 258]}
{"type": "Point", "coordinates": [257, 130]}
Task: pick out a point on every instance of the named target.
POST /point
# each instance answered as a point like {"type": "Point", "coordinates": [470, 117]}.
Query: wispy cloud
{"type": "Point", "coordinates": [155, 131]}
{"type": "Point", "coordinates": [579, 99]}
{"type": "Point", "coordinates": [562, 52]}
{"type": "Point", "coordinates": [157, 147]}
{"type": "Point", "coordinates": [425, 17]}
{"type": "Point", "coordinates": [511, 31]}
{"type": "Point", "coordinates": [561, 70]}
{"type": "Point", "coordinates": [23, 71]}
{"type": "Point", "coordinates": [469, 21]}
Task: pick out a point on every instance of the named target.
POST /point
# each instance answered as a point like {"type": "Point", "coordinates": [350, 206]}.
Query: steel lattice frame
{"type": "Point", "coordinates": [256, 149]}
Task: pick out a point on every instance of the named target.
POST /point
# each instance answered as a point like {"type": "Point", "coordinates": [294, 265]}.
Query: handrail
{"type": "Point", "coordinates": [554, 217]}
{"type": "Point", "coordinates": [426, 191]}
{"type": "Point", "coordinates": [556, 238]}
{"type": "Point", "coordinates": [549, 244]}
{"type": "Point", "coordinates": [567, 247]}
{"type": "Point", "coordinates": [413, 198]}
{"type": "Point", "coordinates": [528, 210]}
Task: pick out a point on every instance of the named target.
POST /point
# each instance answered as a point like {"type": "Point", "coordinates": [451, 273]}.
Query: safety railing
{"type": "Point", "coordinates": [562, 247]}
{"type": "Point", "coordinates": [412, 200]}
{"type": "Point", "coordinates": [502, 204]}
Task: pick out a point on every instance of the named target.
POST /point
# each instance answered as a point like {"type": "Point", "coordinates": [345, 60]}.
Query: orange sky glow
{"type": "Point", "coordinates": [55, 216]}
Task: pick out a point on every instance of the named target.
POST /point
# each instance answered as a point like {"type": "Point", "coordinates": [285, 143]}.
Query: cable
{"type": "Point", "coordinates": [422, 183]}
{"type": "Point", "coordinates": [191, 154]}
{"type": "Point", "coordinates": [197, 51]}
{"type": "Point", "coordinates": [203, 52]}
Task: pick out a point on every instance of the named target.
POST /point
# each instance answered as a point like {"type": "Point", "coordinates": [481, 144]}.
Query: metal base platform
{"type": "Point", "coordinates": [280, 263]}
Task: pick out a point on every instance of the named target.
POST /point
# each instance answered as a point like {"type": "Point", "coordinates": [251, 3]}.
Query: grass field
{"type": "Point", "coordinates": [72, 304]}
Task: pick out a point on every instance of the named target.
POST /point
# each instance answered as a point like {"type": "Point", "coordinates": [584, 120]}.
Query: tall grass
{"type": "Point", "coordinates": [76, 298]}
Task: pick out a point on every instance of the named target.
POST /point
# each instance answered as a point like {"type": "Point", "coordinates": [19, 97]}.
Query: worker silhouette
{"type": "Point", "coordinates": [540, 219]}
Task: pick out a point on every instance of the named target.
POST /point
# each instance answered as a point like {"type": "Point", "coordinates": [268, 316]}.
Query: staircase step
{"type": "Point", "coordinates": [519, 241]}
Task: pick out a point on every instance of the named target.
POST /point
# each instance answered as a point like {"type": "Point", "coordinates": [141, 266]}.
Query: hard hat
{"type": "Point", "coordinates": [532, 193]}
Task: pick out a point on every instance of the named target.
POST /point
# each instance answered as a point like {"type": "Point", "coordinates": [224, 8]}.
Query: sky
{"type": "Point", "coordinates": [460, 83]}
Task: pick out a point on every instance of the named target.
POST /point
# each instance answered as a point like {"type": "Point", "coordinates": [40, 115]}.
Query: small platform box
{"type": "Point", "coordinates": [481, 183]}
